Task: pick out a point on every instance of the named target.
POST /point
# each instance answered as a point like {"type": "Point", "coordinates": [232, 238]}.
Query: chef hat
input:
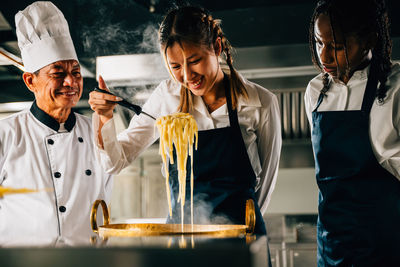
{"type": "Point", "coordinates": [43, 36]}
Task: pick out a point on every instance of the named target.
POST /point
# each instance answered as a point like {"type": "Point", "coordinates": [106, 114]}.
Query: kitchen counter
{"type": "Point", "coordinates": [144, 251]}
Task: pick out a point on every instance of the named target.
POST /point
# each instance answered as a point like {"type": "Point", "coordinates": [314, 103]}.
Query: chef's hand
{"type": "Point", "coordinates": [101, 103]}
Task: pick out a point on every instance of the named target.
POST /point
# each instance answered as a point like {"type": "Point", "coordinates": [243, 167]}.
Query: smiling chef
{"type": "Point", "coordinates": [48, 146]}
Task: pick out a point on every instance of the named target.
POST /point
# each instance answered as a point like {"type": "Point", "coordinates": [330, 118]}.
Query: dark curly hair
{"type": "Point", "coordinates": [359, 17]}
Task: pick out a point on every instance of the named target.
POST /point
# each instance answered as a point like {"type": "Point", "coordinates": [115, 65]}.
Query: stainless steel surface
{"type": "Point", "coordinates": [210, 253]}
{"type": "Point", "coordinates": [292, 240]}
{"type": "Point", "coordinates": [295, 110]}
{"type": "Point", "coordinates": [286, 115]}
{"type": "Point", "coordinates": [292, 243]}
{"type": "Point", "coordinates": [293, 115]}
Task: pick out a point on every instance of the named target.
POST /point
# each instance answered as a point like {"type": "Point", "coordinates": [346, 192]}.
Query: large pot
{"type": "Point", "coordinates": [157, 229]}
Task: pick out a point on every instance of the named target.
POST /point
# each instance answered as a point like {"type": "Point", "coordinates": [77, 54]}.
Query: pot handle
{"type": "Point", "coordinates": [93, 214]}
{"type": "Point", "coordinates": [250, 216]}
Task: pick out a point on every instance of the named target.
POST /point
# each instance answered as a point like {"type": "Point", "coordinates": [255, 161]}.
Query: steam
{"type": "Point", "coordinates": [113, 39]}
{"type": "Point", "coordinates": [149, 42]}
{"type": "Point", "coordinates": [106, 34]}
{"type": "Point", "coordinates": [135, 94]}
{"type": "Point", "coordinates": [203, 211]}
{"type": "Point", "coordinates": [110, 30]}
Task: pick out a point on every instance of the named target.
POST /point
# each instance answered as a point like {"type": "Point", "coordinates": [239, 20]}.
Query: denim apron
{"type": "Point", "coordinates": [359, 201]}
{"type": "Point", "coordinates": [223, 177]}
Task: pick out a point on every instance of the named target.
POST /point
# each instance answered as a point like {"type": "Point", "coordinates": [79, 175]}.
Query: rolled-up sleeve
{"type": "Point", "coordinates": [120, 150]}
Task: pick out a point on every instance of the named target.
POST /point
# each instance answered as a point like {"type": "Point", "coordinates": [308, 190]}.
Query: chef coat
{"type": "Point", "coordinates": [34, 154]}
{"type": "Point", "coordinates": [384, 126]}
{"type": "Point", "coordinates": [259, 121]}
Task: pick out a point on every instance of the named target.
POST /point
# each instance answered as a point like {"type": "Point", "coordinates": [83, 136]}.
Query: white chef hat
{"type": "Point", "coordinates": [43, 36]}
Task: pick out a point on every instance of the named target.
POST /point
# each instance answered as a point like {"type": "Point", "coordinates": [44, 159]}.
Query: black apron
{"type": "Point", "coordinates": [223, 177]}
{"type": "Point", "coordinates": [359, 201]}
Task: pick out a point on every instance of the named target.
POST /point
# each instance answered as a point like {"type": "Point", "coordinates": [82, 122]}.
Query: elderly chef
{"type": "Point", "coordinates": [48, 146]}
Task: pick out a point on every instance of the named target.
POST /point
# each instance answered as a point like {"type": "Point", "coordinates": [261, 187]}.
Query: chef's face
{"type": "Point", "coordinates": [194, 66]}
{"type": "Point", "coordinates": [57, 86]}
{"type": "Point", "coordinates": [358, 50]}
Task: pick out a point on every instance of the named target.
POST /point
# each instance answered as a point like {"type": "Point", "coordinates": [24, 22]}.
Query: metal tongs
{"type": "Point", "coordinates": [135, 108]}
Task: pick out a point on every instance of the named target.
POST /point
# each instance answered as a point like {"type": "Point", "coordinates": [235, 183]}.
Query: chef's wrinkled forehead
{"type": "Point", "coordinates": [43, 36]}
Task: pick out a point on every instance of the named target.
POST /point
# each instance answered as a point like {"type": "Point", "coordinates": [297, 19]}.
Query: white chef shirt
{"type": "Point", "coordinates": [259, 120]}
{"type": "Point", "coordinates": [384, 118]}
{"type": "Point", "coordinates": [32, 152]}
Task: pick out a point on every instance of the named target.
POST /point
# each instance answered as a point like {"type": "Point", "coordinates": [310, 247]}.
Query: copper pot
{"type": "Point", "coordinates": [157, 229]}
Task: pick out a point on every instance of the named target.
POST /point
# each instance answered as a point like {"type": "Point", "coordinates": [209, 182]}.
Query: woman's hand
{"type": "Point", "coordinates": [103, 104]}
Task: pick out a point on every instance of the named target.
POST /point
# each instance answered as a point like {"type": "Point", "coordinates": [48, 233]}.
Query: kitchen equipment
{"type": "Point", "coordinates": [155, 229]}
{"type": "Point", "coordinates": [135, 108]}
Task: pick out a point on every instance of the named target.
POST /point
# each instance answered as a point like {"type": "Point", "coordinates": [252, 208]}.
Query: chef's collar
{"type": "Point", "coordinates": [363, 73]}
{"type": "Point", "coordinates": [357, 75]}
{"type": "Point", "coordinates": [49, 121]}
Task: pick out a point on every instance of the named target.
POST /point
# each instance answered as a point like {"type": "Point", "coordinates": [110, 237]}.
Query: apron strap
{"type": "Point", "coordinates": [320, 98]}
{"type": "Point", "coordinates": [370, 90]}
{"type": "Point", "coordinates": [233, 118]}
{"type": "Point", "coordinates": [369, 94]}
{"type": "Point", "coordinates": [322, 95]}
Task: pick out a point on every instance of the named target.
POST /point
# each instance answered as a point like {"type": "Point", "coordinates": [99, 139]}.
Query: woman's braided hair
{"type": "Point", "coordinates": [196, 26]}
{"type": "Point", "coordinates": [359, 17]}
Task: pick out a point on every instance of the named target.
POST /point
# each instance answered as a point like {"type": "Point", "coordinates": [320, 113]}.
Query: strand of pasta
{"type": "Point", "coordinates": [9, 190]}
{"type": "Point", "coordinates": [178, 130]}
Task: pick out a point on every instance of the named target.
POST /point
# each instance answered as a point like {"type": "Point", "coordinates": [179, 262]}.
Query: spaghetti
{"type": "Point", "coordinates": [179, 130]}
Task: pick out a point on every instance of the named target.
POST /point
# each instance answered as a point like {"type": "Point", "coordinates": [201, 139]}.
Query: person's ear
{"type": "Point", "coordinates": [218, 46]}
{"type": "Point", "coordinates": [28, 80]}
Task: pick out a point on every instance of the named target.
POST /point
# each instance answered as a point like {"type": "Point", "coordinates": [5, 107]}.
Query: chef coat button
{"type": "Point", "coordinates": [50, 141]}
{"type": "Point", "coordinates": [57, 174]}
{"type": "Point", "coordinates": [62, 209]}
{"type": "Point", "coordinates": [80, 139]}
{"type": "Point", "coordinates": [88, 172]}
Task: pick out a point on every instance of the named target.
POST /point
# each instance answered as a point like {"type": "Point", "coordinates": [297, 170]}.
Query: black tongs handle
{"type": "Point", "coordinates": [135, 108]}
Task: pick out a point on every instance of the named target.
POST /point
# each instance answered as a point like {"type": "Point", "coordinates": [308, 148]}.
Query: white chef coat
{"type": "Point", "coordinates": [259, 120]}
{"type": "Point", "coordinates": [384, 118]}
{"type": "Point", "coordinates": [34, 155]}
